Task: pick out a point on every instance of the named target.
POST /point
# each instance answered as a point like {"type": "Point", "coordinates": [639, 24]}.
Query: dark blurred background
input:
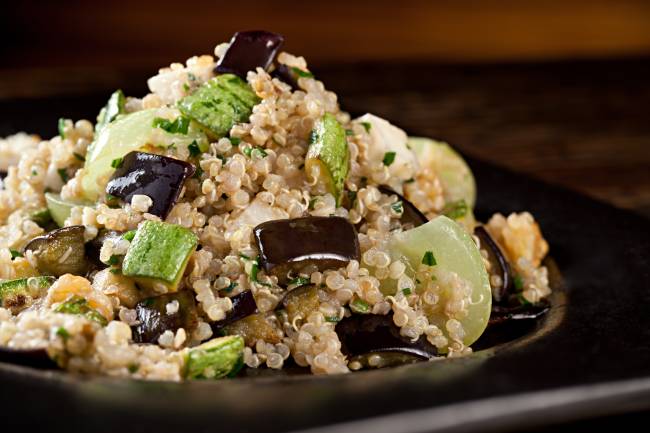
{"type": "Point", "coordinates": [557, 89]}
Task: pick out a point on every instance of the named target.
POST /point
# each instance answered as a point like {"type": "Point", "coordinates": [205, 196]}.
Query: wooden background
{"type": "Point", "coordinates": [556, 89]}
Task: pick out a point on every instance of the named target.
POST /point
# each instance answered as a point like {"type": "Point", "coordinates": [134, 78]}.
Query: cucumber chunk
{"type": "Point", "coordinates": [127, 133]}
{"type": "Point", "coordinates": [159, 254]}
{"type": "Point", "coordinates": [452, 250]}
{"type": "Point", "coordinates": [19, 294]}
{"type": "Point", "coordinates": [218, 358]}
{"type": "Point", "coordinates": [328, 155]}
{"type": "Point", "coordinates": [220, 103]}
{"type": "Point", "coordinates": [60, 209]}
{"type": "Point", "coordinates": [452, 170]}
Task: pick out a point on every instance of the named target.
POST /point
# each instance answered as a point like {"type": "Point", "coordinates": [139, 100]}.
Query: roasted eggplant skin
{"type": "Point", "coordinates": [154, 319]}
{"type": "Point", "coordinates": [248, 51]}
{"type": "Point", "coordinates": [412, 214]}
{"type": "Point", "coordinates": [243, 305]}
{"type": "Point", "coordinates": [60, 251]}
{"type": "Point", "coordinates": [362, 334]}
{"type": "Point", "coordinates": [159, 177]}
{"type": "Point", "coordinates": [497, 259]}
{"type": "Point", "coordinates": [287, 246]}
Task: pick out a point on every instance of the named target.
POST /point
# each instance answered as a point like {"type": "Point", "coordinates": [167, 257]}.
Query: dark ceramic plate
{"type": "Point", "coordinates": [590, 356]}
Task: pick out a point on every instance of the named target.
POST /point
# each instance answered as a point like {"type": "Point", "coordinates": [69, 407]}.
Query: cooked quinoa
{"type": "Point", "coordinates": [263, 170]}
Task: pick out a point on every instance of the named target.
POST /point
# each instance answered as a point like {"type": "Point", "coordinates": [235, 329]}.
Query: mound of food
{"type": "Point", "coordinates": [235, 217]}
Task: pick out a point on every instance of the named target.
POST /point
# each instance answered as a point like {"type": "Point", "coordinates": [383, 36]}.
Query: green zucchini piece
{"type": "Point", "coordinates": [452, 170]}
{"type": "Point", "coordinates": [21, 293]}
{"type": "Point", "coordinates": [220, 103]}
{"type": "Point", "coordinates": [114, 106]}
{"type": "Point", "coordinates": [159, 254]}
{"type": "Point", "coordinates": [452, 249]}
{"type": "Point", "coordinates": [216, 359]}
{"type": "Point", "coordinates": [60, 209]}
{"type": "Point", "coordinates": [328, 149]}
{"type": "Point", "coordinates": [78, 305]}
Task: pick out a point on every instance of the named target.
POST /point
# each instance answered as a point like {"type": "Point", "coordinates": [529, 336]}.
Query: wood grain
{"type": "Point", "coordinates": [584, 125]}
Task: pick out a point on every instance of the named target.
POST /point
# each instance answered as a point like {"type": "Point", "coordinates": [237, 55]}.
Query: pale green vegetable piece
{"type": "Point", "coordinates": [454, 251]}
{"type": "Point", "coordinates": [454, 173]}
{"type": "Point", "coordinates": [328, 149]}
{"type": "Point", "coordinates": [60, 209]}
{"type": "Point", "coordinates": [218, 358]}
{"type": "Point", "coordinates": [125, 134]}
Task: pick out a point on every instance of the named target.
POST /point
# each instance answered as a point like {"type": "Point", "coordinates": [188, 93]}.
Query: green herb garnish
{"type": "Point", "coordinates": [198, 173]}
{"type": "Point", "coordinates": [113, 260]}
{"type": "Point", "coordinates": [360, 306]}
{"type": "Point", "coordinates": [194, 149]}
{"type": "Point", "coordinates": [235, 141]}
{"type": "Point", "coordinates": [15, 254]}
{"type": "Point", "coordinates": [407, 291]}
{"type": "Point", "coordinates": [61, 127]}
{"type": "Point", "coordinates": [299, 281]}
{"type": "Point", "coordinates": [63, 174]}
{"type": "Point", "coordinates": [231, 287]}
{"type": "Point", "coordinates": [180, 125]}
{"type": "Point", "coordinates": [518, 282]}
{"type": "Point", "coordinates": [332, 319]}
{"type": "Point", "coordinates": [117, 163]}
{"type": "Point", "coordinates": [129, 235]}
{"type": "Point", "coordinates": [429, 259]}
{"type": "Point", "coordinates": [78, 305]}
{"type": "Point", "coordinates": [301, 73]}
{"type": "Point", "coordinates": [389, 158]}
{"type": "Point", "coordinates": [367, 126]}
{"type": "Point", "coordinates": [133, 367]}
{"type": "Point", "coordinates": [79, 157]}
{"type": "Point", "coordinates": [398, 207]}
{"type": "Point", "coordinates": [63, 333]}
{"type": "Point", "coordinates": [349, 132]}
{"type": "Point", "coordinates": [456, 210]}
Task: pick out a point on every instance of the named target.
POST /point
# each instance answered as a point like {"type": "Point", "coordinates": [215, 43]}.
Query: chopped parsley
{"type": "Point", "coordinates": [389, 158]}
{"type": "Point", "coordinates": [129, 235]}
{"type": "Point", "coordinates": [231, 287]}
{"type": "Point", "coordinates": [198, 173]}
{"type": "Point", "coordinates": [15, 254]}
{"type": "Point", "coordinates": [34, 173]}
{"type": "Point", "coordinates": [110, 197]}
{"type": "Point", "coordinates": [456, 210]}
{"type": "Point", "coordinates": [79, 157]}
{"type": "Point", "coordinates": [257, 150]}
{"type": "Point", "coordinates": [235, 141]}
{"type": "Point", "coordinates": [63, 174]}
{"type": "Point", "coordinates": [522, 300]}
{"type": "Point", "coordinates": [194, 149]}
{"type": "Point", "coordinates": [429, 259]}
{"type": "Point", "coordinates": [407, 291]}
{"type": "Point", "coordinates": [360, 306]}
{"type": "Point", "coordinates": [61, 127]}
{"type": "Point", "coordinates": [133, 367]}
{"type": "Point", "coordinates": [312, 203]}
{"type": "Point", "coordinates": [518, 282]}
{"type": "Point", "coordinates": [349, 132]}
{"type": "Point", "coordinates": [332, 319]}
{"type": "Point", "coordinates": [180, 125]}
{"type": "Point", "coordinates": [113, 260]}
{"type": "Point", "coordinates": [411, 180]}
{"type": "Point", "coordinates": [115, 271]}
{"type": "Point", "coordinates": [186, 87]}
{"type": "Point", "coordinates": [117, 162]}
{"type": "Point", "coordinates": [352, 197]}
{"type": "Point", "coordinates": [303, 74]}
{"type": "Point", "coordinates": [63, 333]}
{"type": "Point", "coordinates": [367, 126]}
{"type": "Point", "coordinates": [398, 207]}
{"type": "Point", "coordinates": [244, 256]}
{"type": "Point", "coordinates": [299, 281]}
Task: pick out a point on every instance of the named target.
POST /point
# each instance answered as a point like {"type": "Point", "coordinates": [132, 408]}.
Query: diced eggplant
{"type": "Point", "coordinates": [243, 305]}
{"type": "Point", "coordinates": [61, 251]}
{"type": "Point", "coordinates": [365, 334]}
{"type": "Point", "coordinates": [158, 177]}
{"type": "Point", "coordinates": [248, 51]}
{"type": "Point", "coordinates": [16, 295]}
{"type": "Point", "coordinates": [35, 358]}
{"type": "Point", "coordinates": [328, 156]}
{"type": "Point", "coordinates": [158, 255]}
{"type": "Point", "coordinates": [216, 359]}
{"type": "Point", "coordinates": [301, 302]}
{"type": "Point", "coordinates": [509, 323]}
{"type": "Point", "coordinates": [498, 262]}
{"type": "Point", "coordinates": [286, 74]}
{"type": "Point", "coordinates": [258, 326]}
{"type": "Point", "coordinates": [289, 246]}
{"type": "Point", "coordinates": [220, 103]}
{"type": "Point", "coordinates": [154, 318]}
{"type": "Point", "coordinates": [411, 214]}
{"type": "Point", "coordinates": [93, 248]}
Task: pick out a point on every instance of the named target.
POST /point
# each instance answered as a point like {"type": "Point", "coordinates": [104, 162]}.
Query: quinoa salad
{"type": "Point", "coordinates": [236, 218]}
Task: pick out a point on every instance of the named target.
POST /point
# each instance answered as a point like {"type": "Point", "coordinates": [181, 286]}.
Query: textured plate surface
{"type": "Point", "coordinates": [590, 357]}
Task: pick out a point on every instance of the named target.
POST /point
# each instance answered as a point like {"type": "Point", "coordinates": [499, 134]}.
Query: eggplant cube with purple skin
{"type": "Point", "coordinates": [164, 313]}
{"type": "Point", "coordinates": [158, 177]}
{"type": "Point", "coordinates": [248, 51]}
{"type": "Point", "coordinates": [305, 244]}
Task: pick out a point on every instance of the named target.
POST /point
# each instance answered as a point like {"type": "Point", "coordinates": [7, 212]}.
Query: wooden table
{"type": "Point", "coordinates": [584, 125]}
